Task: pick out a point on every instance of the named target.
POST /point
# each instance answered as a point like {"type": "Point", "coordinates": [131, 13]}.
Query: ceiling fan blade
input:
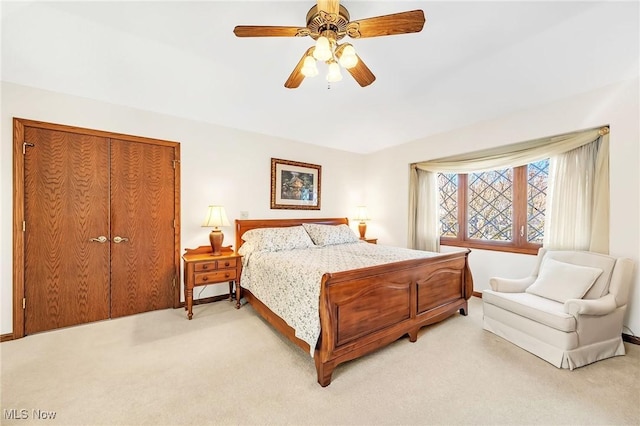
{"type": "Point", "coordinates": [266, 31]}
{"type": "Point", "coordinates": [296, 77]}
{"type": "Point", "coordinates": [329, 6]}
{"type": "Point", "coordinates": [361, 73]}
{"type": "Point", "coordinates": [397, 23]}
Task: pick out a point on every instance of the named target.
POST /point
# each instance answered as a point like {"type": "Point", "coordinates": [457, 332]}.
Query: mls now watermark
{"type": "Point", "coordinates": [24, 414]}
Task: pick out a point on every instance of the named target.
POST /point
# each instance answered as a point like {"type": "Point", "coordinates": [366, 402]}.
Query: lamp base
{"type": "Point", "coordinates": [362, 227]}
{"type": "Point", "coordinates": [215, 238]}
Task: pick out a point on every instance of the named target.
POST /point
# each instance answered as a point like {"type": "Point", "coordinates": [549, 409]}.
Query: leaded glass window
{"type": "Point", "coordinates": [495, 210]}
{"type": "Point", "coordinates": [537, 174]}
{"type": "Point", "coordinates": [490, 209]}
{"type": "Point", "coordinates": [448, 184]}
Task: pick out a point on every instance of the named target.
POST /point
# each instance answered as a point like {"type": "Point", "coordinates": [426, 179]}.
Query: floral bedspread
{"type": "Point", "coordinates": [288, 282]}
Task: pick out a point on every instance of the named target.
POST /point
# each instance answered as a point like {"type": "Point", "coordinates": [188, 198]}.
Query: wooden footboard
{"type": "Point", "coordinates": [365, 309]}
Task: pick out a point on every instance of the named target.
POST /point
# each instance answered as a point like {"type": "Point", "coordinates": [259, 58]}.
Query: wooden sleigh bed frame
{"type": "Point", "coordinates": [362, 310]}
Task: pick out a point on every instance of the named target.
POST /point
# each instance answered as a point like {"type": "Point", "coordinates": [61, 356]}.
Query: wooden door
{"type": "Point", "coordinates": [66, 209]}
{"type": "Point", "coordinates": [75, 191]}
{"type": "Point", "coordinates": [142, 227]}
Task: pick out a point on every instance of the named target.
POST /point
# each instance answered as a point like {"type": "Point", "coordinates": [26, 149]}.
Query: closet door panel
{"type": "Point", "coordinates": [66, 204]}
{"type": "Point", "coordinates": [142, 214]}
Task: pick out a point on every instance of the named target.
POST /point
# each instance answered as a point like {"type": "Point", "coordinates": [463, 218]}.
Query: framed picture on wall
{"type": "Point", "coordinates": [295, 185]}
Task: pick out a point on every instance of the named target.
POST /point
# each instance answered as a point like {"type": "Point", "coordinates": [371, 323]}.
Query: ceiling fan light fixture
{"type": "Point", "coordinates": [348, 59]}
{"type": "Point", "coordinates": [309, 68]}
{"type": "Point", "coordinates": [334, 72]}
{"type": "Point", "coordinates": [328, 22]}
{"type": "Point", "coordinates": [322, 52]}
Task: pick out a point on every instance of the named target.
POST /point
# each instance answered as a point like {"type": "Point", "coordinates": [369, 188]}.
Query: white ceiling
{"type": "Point", "coordinates": [473, 61]}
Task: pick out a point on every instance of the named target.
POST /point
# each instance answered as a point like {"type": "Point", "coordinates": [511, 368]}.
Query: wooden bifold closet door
{"type": "Point", "coordinates": [100, 226]}
{"type": "Point", "coordinates": [142, 201]}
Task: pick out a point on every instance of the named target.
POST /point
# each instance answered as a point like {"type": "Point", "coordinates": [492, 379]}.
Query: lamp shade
{"type": "Point", "coordinates": [216, 216]}
{"type": "Point", "coordinates": [361, 213]}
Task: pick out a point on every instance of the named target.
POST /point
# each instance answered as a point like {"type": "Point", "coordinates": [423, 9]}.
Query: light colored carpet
{"type": "Point", "coordinates": [227, 366]}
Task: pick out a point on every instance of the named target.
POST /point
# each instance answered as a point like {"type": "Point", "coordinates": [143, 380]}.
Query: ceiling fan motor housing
{"type": "Point", "coordinates": [320, 22]}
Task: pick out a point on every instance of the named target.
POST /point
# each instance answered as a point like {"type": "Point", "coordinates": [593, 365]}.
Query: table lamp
{"type": "Point", "coordinates": [362, 216]}
{"type": "Point", "coordinates": [216, 217]}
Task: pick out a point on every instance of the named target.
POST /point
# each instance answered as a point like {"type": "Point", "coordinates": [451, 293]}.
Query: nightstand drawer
{"type": "Point", "coordinates": [205, 266]}
{"type": "Point", "coordinates": [215, 276]}
{"type": "Point", "coordinates": [227, 263]}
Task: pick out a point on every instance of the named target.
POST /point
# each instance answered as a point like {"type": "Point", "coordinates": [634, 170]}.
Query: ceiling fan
{"type": "Point", "coordinates": [327, 23]}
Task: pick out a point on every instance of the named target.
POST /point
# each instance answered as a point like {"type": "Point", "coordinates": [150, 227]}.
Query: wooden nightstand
{"type": "Point", "coordinates": [201, 267]}
{"type": "Point", "coordinates": [371, 240]}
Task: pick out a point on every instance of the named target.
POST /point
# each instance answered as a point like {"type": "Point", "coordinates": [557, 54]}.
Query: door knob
{"type": "Point", "coordinates": [101, 239]}
{"type": "Point", "coordinates": [119, 240]}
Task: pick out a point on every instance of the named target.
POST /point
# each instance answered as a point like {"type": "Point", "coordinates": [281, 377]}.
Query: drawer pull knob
{"type": "Point", "coordinates": [226, 263]}
{"type": "Point", "coordinates": [205, 266]}
{"type": "Point", "coordinates": [226, 275]}
{"type": "Point", "coordinates": [205, 278]}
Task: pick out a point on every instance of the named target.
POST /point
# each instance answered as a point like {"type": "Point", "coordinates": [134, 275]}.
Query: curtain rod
{"type": "Point", "coordinates": [603, 130]}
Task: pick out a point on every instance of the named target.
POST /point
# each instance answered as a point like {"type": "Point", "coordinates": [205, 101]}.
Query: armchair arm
{"type": "Point", "coordinates": [602, 306]}
{"type": "Point", "coordinates": [508, 285]}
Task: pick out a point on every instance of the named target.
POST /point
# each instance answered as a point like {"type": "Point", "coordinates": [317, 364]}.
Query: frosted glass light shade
{"type": "Point", "coordinates": [334, 73]}
{"type": "Point", "coordinates": [309, 68]}
{"type": "Point", "coordinates": [322, 52]}
{"type": "Point", "coordinates": [348, 59]}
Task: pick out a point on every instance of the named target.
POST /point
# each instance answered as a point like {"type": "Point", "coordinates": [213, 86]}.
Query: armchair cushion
{"type": "Point", "coordinates": [537, 309]}
{"type": "Point", "coordinates": [562, 281]}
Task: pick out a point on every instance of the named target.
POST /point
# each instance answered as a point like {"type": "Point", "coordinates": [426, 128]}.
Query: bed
{"type": "Point", "coordinates": [357, 310]}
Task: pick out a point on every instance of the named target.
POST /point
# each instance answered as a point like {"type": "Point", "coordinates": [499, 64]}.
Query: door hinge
{"type": "Point", "coordinates": [173, 283]}
{"type": "Point", "coordinates": [24, 147]}
{"type": "Point", "coordinates": [174, 223]}
{"type": "Point", "coordinates": [24, 303]}
{"type": "Point", "coordinates": [24, 226]}
{"type": "Point", "coordinates": [174, 163]}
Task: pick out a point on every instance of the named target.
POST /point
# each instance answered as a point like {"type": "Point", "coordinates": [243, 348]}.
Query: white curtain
{"type": "Point", "coordinates": [577, 212]}
{"type": "Point", "coordinates": [424, 220]}
{"type": "Point", "coordinates": [424, 224]}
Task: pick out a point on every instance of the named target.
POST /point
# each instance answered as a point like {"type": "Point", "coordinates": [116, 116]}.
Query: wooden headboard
{"type": "Point", "coordinates": [245, 225]}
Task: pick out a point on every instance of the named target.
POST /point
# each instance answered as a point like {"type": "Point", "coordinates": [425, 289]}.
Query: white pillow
{"type": "Point", "coordinates": [325, 235]}
{"type": "Point", "coordinates": [277, 239]}
{"type": "Point", "coordinates": [562, 281]}
{"type": "Point", "coordinates": [246, 249]}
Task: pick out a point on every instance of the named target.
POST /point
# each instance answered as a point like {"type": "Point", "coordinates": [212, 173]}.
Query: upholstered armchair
{"type": "Point", "coordinates": [569, 311]}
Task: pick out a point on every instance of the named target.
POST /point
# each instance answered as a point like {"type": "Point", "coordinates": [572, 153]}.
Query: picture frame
{"type": "Point", "coordinates": [295, 185]}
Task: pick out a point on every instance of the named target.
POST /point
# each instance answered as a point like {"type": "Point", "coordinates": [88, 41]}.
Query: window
{"type": "Point", "coordinates": [495, 210]}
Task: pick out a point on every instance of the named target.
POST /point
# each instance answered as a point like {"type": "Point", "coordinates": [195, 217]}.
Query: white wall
{"type": "Point", "coordinates": [219, 166]}
{"type": "Point", "coordinates": [616, 105]}
{"type": "Point", "coordinates": [241, 181]}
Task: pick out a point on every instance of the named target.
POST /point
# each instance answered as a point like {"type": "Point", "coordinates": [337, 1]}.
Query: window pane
{"type": "Point", "coordinates": [537, 174]}
{"type": "Point", "coordinates": [448, 184]}
{"type": "Point", "coordinates": [490, 209]}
